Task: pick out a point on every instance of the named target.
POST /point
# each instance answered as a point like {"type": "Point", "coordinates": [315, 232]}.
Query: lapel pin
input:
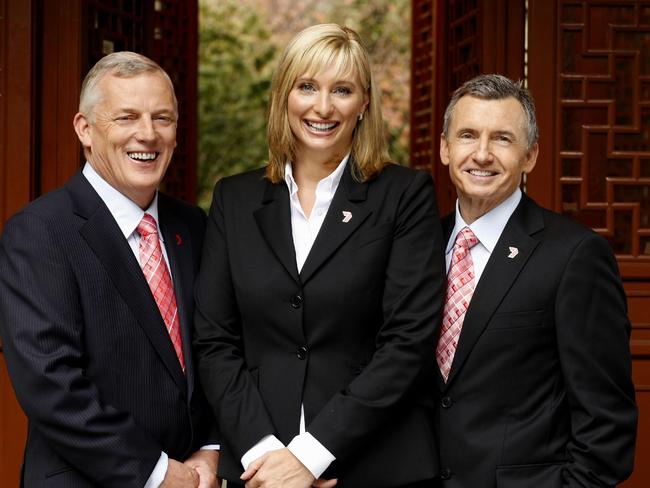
{"type": "Point", "coordinates": [347, 216]}
{"type": "Point", "coordinates": [513, 252]}
{"type": "Point", "coordinates": [179, 240]}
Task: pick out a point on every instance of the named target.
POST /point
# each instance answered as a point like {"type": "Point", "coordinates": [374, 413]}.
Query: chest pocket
{"type": "Point", "coordinates": [373, 235]}
{"type": "Point", "coordinates": [516, 320]}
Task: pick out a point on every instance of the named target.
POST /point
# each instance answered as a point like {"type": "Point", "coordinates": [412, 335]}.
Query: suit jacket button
{"type": "Point", "coordinates": [446, 402]}
{"type": "Point", "coordinates": [445, 474]}
{"type": "Point", "coordinates": [296, 301]}
{"type": "Point", "coordinates": [301, 352]}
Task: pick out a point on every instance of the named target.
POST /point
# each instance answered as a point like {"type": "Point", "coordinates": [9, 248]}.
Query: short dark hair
{"type": "Point", "coordinates": [495, 87]}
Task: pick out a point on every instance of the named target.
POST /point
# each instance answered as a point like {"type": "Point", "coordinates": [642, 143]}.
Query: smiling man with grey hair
{"type": "Point", "coordinates": [96, 302]}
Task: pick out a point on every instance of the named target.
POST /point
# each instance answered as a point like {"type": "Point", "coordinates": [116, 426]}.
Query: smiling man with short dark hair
{"type": "Point", "coordinates": [535, 370]}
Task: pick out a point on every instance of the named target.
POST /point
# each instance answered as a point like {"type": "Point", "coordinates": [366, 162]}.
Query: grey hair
{"type": "Point", "coordinates": [123, 64]}
{"type": "Point", "coordinates": [495, 87]}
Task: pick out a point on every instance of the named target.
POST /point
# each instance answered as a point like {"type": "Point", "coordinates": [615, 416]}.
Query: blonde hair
{"type": "Point", "coordinates": [310, 51]}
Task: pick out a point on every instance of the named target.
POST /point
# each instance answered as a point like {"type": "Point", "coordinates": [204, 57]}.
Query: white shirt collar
{"type": "Point", "coordinates": [328, 184]}
{"type": "Point", "coordinates": [487, 228]}
{"type": "Point", "coordinates": [126, 212]}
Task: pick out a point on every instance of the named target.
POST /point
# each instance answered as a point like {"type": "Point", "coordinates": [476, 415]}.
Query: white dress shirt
{"type": "Point", "coordinates": [128, 215]}
{"type": "Point", "coordinates": [487, 229]}
{"type": "Point", "coordinates": [311, 453]}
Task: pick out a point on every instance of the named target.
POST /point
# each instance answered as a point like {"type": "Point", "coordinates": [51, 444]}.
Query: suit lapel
{"type": "Point", "coordinates": [274, 222]}
{"type": "Point", "coordinates": [342, 219]}
{"type": "Point", "coordinates": [179, 251]}
{"type": "Point", "coordinates": [106, 240]}
{"type": "Point", "coordinates": [497, 278]}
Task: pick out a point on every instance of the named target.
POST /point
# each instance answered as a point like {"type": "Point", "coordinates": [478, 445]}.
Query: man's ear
{"type": "Point", "coordinates": [444, 150]}
{"type": "Point", "coordinates": [531, 158]}
{"type": "Point", "coordinates": [82, 128]}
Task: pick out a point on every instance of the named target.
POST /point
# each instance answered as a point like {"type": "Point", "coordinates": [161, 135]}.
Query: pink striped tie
{"type": "Point", "coordinates": [155, 271]}
{"type": "Point", "coordinates": [460, 287]}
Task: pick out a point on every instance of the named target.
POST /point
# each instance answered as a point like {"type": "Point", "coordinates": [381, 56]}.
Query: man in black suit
{"type": "Point", "coordinates": [534, 356]}
{"type": "Point", "coordinates": [98, 348]}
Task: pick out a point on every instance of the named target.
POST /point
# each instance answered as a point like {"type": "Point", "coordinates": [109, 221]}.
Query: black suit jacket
{"type": "Point", "coordinates": [540, 391]}
{"type": "Point", "coordinates": [352, 336]}
{"type": "Point", "coordinates": [87, 350]}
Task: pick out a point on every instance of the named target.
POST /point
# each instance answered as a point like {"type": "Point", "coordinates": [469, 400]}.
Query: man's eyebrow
{"type": "Point", "coordinates": [505, 132]}
{"type": "Point", "coordinates": [464, 129]}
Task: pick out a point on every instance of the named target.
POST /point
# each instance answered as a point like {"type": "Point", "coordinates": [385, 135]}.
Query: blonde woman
{"type": "Point", "coordinates": [319, 294]}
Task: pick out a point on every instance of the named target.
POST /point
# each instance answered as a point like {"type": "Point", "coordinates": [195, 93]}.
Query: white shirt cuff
{"type": "Point", "coordinates": [211, 447]}
{"type": "Point", "coordinates": [266, 444]}
{"type": "Point", "coordinates": [311, 453]}
{"type": "Point", "coordinates": [158, 474]}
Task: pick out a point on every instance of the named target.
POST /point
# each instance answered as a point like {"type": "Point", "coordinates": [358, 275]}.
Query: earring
{"type": "Point", "coordinates": [361, 116]}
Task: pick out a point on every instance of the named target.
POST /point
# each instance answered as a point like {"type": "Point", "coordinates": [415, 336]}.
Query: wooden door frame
{"type": "Point", "coordinates": [17, 187]}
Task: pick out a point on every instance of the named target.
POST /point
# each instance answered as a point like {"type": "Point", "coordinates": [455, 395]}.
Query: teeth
{"type": "Point", "coordinates": [479, 172]}
{"type": "Point", "coordinates": [143, 156]}
{"type": "Point", "coordinates": [321, 126]}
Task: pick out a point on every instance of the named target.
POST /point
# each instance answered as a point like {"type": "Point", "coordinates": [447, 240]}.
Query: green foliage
{"type": "Point", "coordinates": [234, 81]}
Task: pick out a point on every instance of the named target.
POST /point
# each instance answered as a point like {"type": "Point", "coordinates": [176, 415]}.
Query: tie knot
{"type": "Point", "coordinates": [466, 238]}
{"type": "Point", "coordinates": [147, 226]}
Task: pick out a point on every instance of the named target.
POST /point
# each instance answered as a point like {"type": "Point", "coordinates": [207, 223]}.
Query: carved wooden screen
{"type": "Point", "coordinates": [604, 118]}
{"type": "Point", "coordinates": [603, 162]}
{"type": "Point", "coordinates": [446, 39]}
{"type": "Point", "coordinates": [16, 188]}
{"type": "Point", "coordinates": [463, 42]}
{"type": "Point", "coordinates": [422, 85]}
{"type": "Point", "coordinates": [166, 31]}
{"type": "Point", "coordinates": [589, 71]}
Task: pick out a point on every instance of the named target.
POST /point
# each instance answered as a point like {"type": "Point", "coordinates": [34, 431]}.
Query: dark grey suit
{"type": "Point", "coordinates": [87, 350]}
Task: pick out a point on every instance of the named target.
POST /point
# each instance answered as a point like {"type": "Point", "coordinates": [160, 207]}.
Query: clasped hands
{"type": "Point", "coordinates": [198, 471]}
{"type": "Point", "coordinates": [281, 469]}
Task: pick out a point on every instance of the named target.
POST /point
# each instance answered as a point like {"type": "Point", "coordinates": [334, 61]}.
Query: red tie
{"type": "Point", "coordinates": [460, 287]}
{"type": "Point", "coordinates": [155, 271]}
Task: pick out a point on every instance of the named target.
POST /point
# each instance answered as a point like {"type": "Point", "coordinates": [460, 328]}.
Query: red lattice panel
{"type": "Point", "coordinates": [462, 42]}
{"type": "Point", "coordinates": [114, 25]}
{"type": "Point", "coordinates": [422, 103]}
{"type": "Point", "coordinates": [604, 121]}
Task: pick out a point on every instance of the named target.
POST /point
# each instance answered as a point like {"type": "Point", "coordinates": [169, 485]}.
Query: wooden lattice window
{"type": "Point", "coordinates": [604, 122]}
{"type": "Point", "coordinates": [463, 41]}
{"type": "Point", "coordinates": [422, 76]}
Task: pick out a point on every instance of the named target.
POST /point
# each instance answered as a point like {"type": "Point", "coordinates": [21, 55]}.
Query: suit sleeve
{"type": "Point", "coordinates": [208, 432]}
{"type": "Point", "coordinates": [593, 341]}
{"type": "Point", "coordinates": [218, 345]}
{"type": "Point", "coordinates": [42, 324]}
{"type": "Point", "coordinates": [406, 340]}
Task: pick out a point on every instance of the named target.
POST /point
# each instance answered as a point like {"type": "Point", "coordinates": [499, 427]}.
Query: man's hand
{"type": "Point", "coordinates": [180, 476]}
{"type": "Point", "coordinates": [321, 483]}
{"type": "Point", "coordinates": [277, 469]}
{"type": "Point", "coordinates": [206, 463]}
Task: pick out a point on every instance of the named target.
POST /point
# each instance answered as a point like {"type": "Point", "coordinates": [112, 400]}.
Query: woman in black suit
{"type": "Point", "coordinates": [320, 290]}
